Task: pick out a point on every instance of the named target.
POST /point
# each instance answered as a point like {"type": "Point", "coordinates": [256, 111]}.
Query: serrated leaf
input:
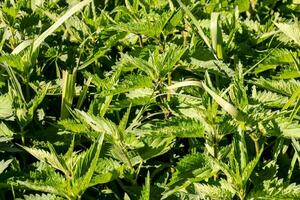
{"type": "Point", "coordinates": [155, 145]}
{"type": "Point", "coordinates": [6, 109]}
{"type": "Point", "coordinates": [285, 87]}
{"type": "Point", "coordinates": [194, 167]}
{"type": "Point", "coordinates": [275, 189]}
{"type": "Point", "coordinates": [290, 30]}
{"type": "Point", "coordinates": [5, 132]}
{"type": "Point", "coordinates": [86, 165]}
{"type": "Point", "coordinates": [73, 126]}
{"type": "Point", "coordinates": [124, 120]}
{"type": "Point", "coordinates": [41, 197]}
{"type": "Point", "coordinates": [146, 191]}
{"type": "Point", "coordinates": [4, 165]}
{"type": "Point", "coordinates": [106, 171]}
{"type": "Point", "coordinates": [46, 156]}
{"type": "Point", "coordinates": [213, 66]}
{"type": "Point", "coordinates": [220, 190]}
{"type": "Point", "coordinates": [269, 99]}
{"type": "Point", "coordinates": [179, 127]}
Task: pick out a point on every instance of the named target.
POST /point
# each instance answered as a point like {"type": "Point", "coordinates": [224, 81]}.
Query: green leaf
{"type": "Point", "coordinates": [294, 96]}
{"type": "Point", "coordinates": [275, 189]}
{"type": "Point", "coordinates": [86, 158]}
{"type": "Point", "coordinates": [44, 180]}
{"type": "Point", "coordinates": [250, 167]}
{"type": "Point", "coordinates": [36, 101]}
{"type": "Point", "coordinates": [288, 75]}
{"type": "Point", "coordinates": [149, 24]}
{"type": "Point", "coordinates": [176, 19]}
{"type": "Point", "coordinates": [191, 166]}
{"type": "Point", "coordinates": [220, 190]}
{"type": "Point", "coordinates": [269, 99]}
{"type": "Point", "coordinates": [267, 170]}
{"type": "Point", "coordinates": [243, 5]}
{"type": "Point", "coordinates": [68, 88]}
{"type": "Point", "coordinates": [41, 197]}
{"type": "Point", "coordinates": [194, 167]}
{"type": "Point", "coordinates": [155, 145]}
{"type": "Point", "coordinates": [58, 23]}
{"type": "Point", "coordinates": [100, 53]}
{"type": "Point", "coordinates": [178, 127]}
{"type": "Point", "coordinates": [288, 129]}
{"type": "Point", "coordinates": [45, 156]}
{"type": "Point", "coordinates": [5, 133]}
{"type": "Point", "coordinates": [276, 57]}
{"type": "Point", "coordinates": [73, 126]}
{"type": "Point", "coordinates": [106, 171]}
{"type": "Point", "coordinates": [285, 87]}
{"type": "Point", "coordinates": [216, 35]}
{"type": "Point", "coordinates": [86, 165]}
{"type": "Point", "coordinates": [290, 30]}
{"type": "Point", "coordinates": [98, 124]}
{"type": "Point", "coordinates": [129, 84]}
{"type": "Point", "coordinates": [196, 23]}
{"type": "Point", "coordinates": [15, 83]}
{"type": "Point", "coordinates": [14, 61]}
{"type": "Point", "coordinates": [132, 63]}
{"type": "Point", "coordinates": [6, 109]}
{"type": "Point", "coordinates": [124, 121]}
{"type": "Point", "coordinates": [4, 165]}
{"type": "Point", "coordinates": [234, 112]}
{"type": "Point", "coordinates": [212, 66]}
{"type": "Point", "coordinates": [145, 195]}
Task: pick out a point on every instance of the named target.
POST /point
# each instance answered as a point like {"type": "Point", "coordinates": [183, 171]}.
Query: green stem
{"type": "Point", "coordinates": [124, 152]}
{"type": "Point", "coordinates": [137, 172]}
{"type": "Point", "coordinates": [139, 116]}
{"type": "Point", "coordinates": [141, 41]}
{"type": "Point", "coordinates": [215, 143]}
{"type": "Point", "coordinates": [169, 83]}
{"type": "Point", "coordinates": [241, 195]}
{"type": "Point", "coordinates": [27, 91]}
{"type": "Point", "coordinates": [243, 148]}
{"type": "Point", "coordinates": [256, 144]}
{"type": "Point", "coordinates": [23, 136]}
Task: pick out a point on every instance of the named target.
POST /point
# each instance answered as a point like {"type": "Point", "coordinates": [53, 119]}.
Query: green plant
{"type": "Point", "coordinates": [149, 99]}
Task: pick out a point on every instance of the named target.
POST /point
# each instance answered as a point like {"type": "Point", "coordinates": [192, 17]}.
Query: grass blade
{"type": "Point", "coordinates": [83, 93]}
{"type": "Point", "coordinates": [196, 23]}
{"type": "Point", "coordinates": [59, 22]}
{"type": "Point", "coordinates": [68, 88]}
{"type": "Point", "coordinates": [216, 35]}
{"type": "Point", "coordinates": [228, 107]}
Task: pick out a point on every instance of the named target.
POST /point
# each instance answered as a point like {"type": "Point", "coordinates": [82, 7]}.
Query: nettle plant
{"type": "Point", "coordinates": [149, 99]}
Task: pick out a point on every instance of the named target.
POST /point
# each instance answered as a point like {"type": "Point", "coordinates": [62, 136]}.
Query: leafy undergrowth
{"type": "Point", "coordinates": [149, 99]}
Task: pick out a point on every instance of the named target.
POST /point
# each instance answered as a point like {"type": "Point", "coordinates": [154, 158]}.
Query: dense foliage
{"type": "Point", "coordinates": [149, 99]}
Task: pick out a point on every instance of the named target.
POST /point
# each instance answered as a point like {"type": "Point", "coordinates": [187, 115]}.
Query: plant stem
{"type": "Point", "coordinates": [256, 147]}
{"type": "Point", "coordinates": [241, 195]}
{"type": "Point", "coordinates": [169, 83]}
{"type": "Point", "coordinates": [256, 143]}
{"type": "Point", "coordinates": [124, 152]}
{"type": "Point", "coordinates": [141, 41]}
{"type": "Point", "coordinates": [27, 91]}
{"type": "Point", "coordinates": [23, 136]}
